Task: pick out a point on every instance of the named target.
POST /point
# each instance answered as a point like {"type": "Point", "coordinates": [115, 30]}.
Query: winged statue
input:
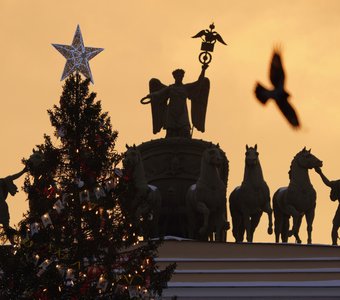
{"type": "Point", "coordinates": [169, 104]}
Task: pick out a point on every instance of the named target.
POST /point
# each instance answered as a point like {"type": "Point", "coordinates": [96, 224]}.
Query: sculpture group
{"type": "Point", "coordinates": [205, 199]}
{"type": "Point", "coordinates": [206, 202]}
{"type": "Point", "coordinates": [200, 185]}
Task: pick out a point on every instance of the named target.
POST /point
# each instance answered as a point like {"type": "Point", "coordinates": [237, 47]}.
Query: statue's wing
{"type": "Point", "coordinates": [158, 104]}
{"type": "Point", "coordinates": [198, 92]}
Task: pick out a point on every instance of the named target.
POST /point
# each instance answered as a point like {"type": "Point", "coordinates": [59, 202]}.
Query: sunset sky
{"type": "Point", "coordinates": [144, 39]}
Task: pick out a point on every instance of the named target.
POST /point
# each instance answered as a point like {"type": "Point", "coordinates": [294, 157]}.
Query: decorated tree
{"type": "Point", "coordinates": [76, 242]}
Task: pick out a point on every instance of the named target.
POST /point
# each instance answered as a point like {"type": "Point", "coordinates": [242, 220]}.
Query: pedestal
{"type": "Point", "coordinates": [173, 165]}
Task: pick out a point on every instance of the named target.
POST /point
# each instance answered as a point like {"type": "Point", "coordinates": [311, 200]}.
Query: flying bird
{"type": "Point", "coordinates": [277, 78]}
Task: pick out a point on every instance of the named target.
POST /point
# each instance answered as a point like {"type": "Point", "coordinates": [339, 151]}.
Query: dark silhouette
{"type": "Point", "coordinates": [248, 201]}
{"type": "Point", "coordinates": [207, 198]}
{"type": "Point", "coordinates": [334, 195]}
{"type": "Point", "coordinates": [7, 186]}
{"type": "Point", "coordinates": [146, 201]}
{"type": "Point", "coordinates": [277, 78]}
{"type": "Point", "coordinates": [169, 107]}
{"type": "Point", "coordinates": [209, 38]}
{"type": "Point", "coordinates": [296, 200]}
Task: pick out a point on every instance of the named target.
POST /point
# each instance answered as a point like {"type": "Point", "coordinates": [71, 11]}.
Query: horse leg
{"type": "Point", "coordinates": [220, 228]}
{"type": "Point", "coordinates": [278, 225]}
{"type": "Point", "coordinates": [155, 209]}
{"type": "Point", "coordinates": [297, 216]}
{"type": "Point", "coordinates": [203, 209]}
{"type": "Point", "coordinates": [236, 219]}
{"type": "Point", "coordinates": [254, 222]}
{"type": "Point", "coordinates": [190, 212]}
{"type": "Point", "coordinates": [191, 224]}
{"type": "Point", "coordinates": [268, 210]}
{"type": "Point", "coordinates": [309, 220]}
{"type": "Point", "coordinates": [296, 227]}
{"type": "Point", "coordinates": [278, 219]}
{"type": "Point", "coordinates": [247, 226]}
{"type": "Point", "coordinates": [284, 228]}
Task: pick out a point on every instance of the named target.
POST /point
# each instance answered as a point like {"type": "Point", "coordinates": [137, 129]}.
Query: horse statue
{"type": "Point", "coordinates": [296, 200]}
{"type": "Point", "coordinates": [206, 199]}
{"type": "Point", "coordinates": [146, 199]}
{"type": "Point", "coordinates": [248, 201]}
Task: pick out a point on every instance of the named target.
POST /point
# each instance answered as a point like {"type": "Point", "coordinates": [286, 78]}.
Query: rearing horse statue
{"type": "Point", "coordinates": [207, 198]}
{"type": "Point", "coordinates": [296, 200]}
{"type": "Point", "coordinates": [248, 201]}
{"type": "Point", "coordinates": [146, 198]}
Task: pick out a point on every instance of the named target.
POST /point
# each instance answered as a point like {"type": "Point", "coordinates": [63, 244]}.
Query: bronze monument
{"type": "Point", "coordinates": [173, 164]}
{"type": "Point", "coordinates": [296, 200]}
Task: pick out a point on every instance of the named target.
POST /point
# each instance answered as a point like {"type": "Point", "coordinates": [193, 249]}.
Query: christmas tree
{"type": "Point", "coordinates": [76, 241]}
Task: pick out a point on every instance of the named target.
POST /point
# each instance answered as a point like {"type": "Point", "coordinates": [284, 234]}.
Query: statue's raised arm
{"type": "Point", "coordinates": [169, 103]}
{"type": "Point", "coordinates": [198, 93]}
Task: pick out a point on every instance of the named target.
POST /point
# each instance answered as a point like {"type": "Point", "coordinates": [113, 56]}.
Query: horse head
{"type": "Point", "coordinates": [212, 156]}
{"type": "Point", "coordinates": [252, 156]}
{"type": "Point", "coordinates": [132, 158]}
{"type": "Point", "coordinates": [307, 160]}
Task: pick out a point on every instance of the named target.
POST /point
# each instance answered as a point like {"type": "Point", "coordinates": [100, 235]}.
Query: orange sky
{"type": "Point", "coordinates": [145, 39]}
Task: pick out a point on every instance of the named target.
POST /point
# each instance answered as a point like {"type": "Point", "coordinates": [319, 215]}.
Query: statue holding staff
{"type": "Point", "coordinates": [169, 103]}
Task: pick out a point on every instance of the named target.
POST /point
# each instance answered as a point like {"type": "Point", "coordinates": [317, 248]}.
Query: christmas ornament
{"type": "Point", "coordinates": [79, 183]}
{"type": "Point", "coordinates": [102, 283]}
{"type": "Point", "coordinates": [118, 172]}
{"type": "Point", "coordinates": [110, 184]}
{"type": "Point", "coordinates": [46, 219]}
{"type": "Point", "coordinates": [43, 267]}
{"type": "Point", "coordinates": [34, 228]}
{"type": "Point", "coordinates": [77, 56]}
{"type": "Point", "coordinates": [58, 206]}
{"type": "Point", "coordinates": [133, 292]}
{"type": "Point", "coordinates": [84, 196]}
{"type": "Point", "coordinates": [94, 271]}
{"type": "Point", "coordinates": [61, 132]}
{"type": "Point", "coordinates": [99, 192]}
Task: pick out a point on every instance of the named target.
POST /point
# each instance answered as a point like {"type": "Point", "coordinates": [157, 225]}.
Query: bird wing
{"type": "Point", "coordinates": [262, 93]}
{"type": "Point", "coordinates": [277, 75]}
{"type": "Point", "coordinates": [201, 33]}
{"type": "Point", "coordinates": [289, 112]}
{"type": "Point", "coordinates": [219, 38]}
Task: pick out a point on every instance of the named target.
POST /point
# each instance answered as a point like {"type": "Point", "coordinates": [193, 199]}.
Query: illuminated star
{"type": "Point", "coordinates": [77, 56]}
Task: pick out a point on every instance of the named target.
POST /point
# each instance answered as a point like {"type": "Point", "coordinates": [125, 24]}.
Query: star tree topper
{"type": "Point", "coordinates": [77, 56]}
